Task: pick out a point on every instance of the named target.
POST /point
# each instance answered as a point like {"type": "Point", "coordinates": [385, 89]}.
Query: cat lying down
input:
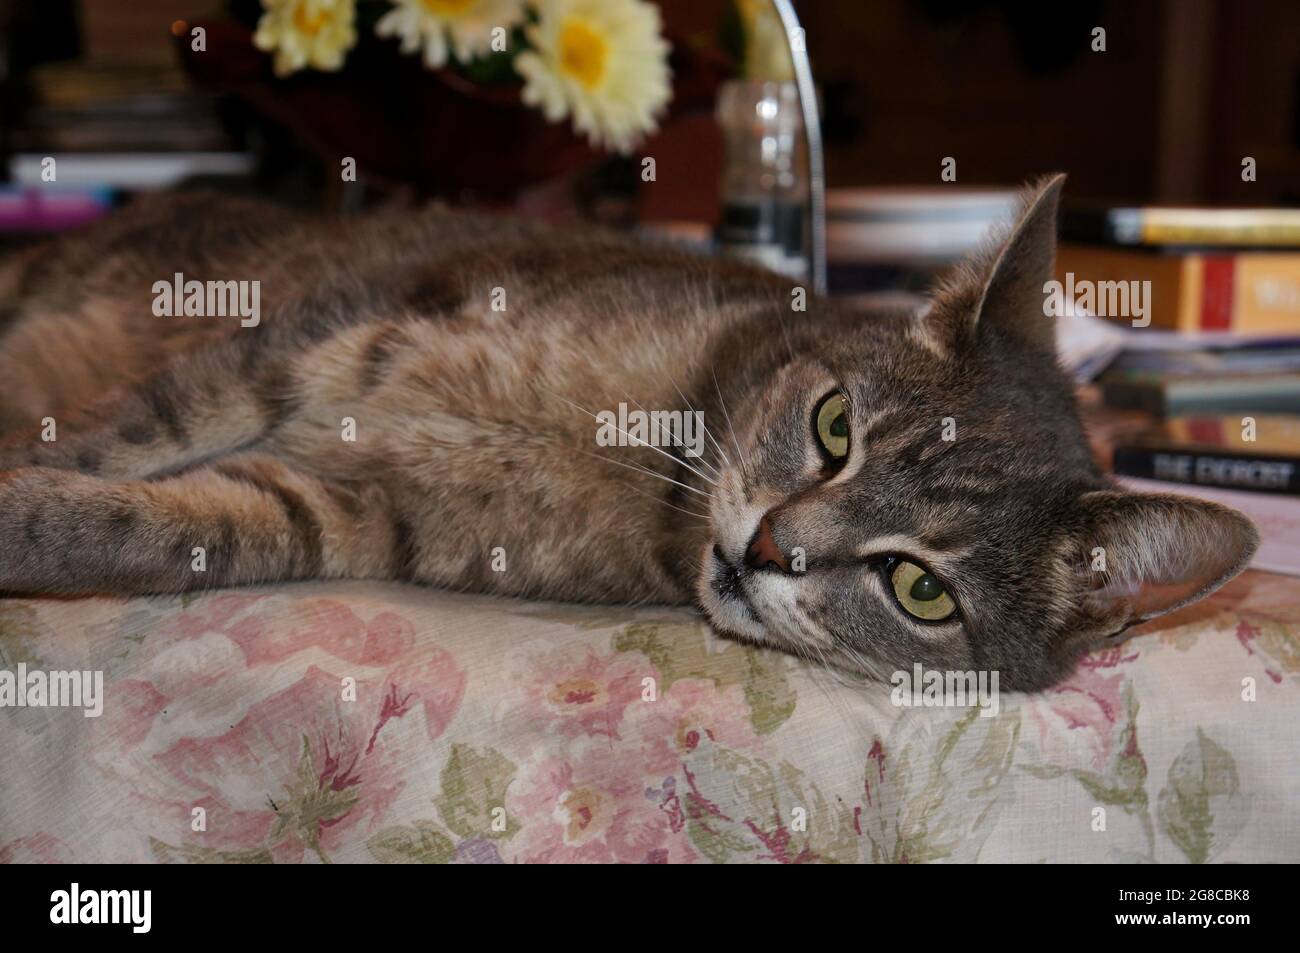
{"type": "Point", "coordinates": [431, 397]}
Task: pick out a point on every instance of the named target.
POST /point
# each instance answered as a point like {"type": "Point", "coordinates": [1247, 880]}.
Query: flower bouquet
{"type": "Point", "coordinates": [459, 96]}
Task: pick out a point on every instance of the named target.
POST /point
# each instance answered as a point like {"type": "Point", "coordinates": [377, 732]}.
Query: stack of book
{"type": "Point", "coordinates": [99, 107]}
{"type": "Point", "coordinates": [93, 130]}
{"type": "Point", "coordinates": [1261, 378]}
{"type": "Point", "coordinates": [1210, 303]}
{"type": "Point", "coordinates": [1233, 271]}
{"type": "Point", "coordinates": [1247, 453]}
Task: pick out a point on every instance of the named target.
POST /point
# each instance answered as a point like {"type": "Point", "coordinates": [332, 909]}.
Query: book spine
{"type": "Point", "coordinates": [1163, 227]}
{"type": "Point", "coordinates": [1156, 233]}
{"type": "Point", "coordinates": [1218, 281]}
{"type": "Point", "coordinates": [1246, 293]}
{"type": "Point", "coordinates": [1266, 293]}
{"type": "Point", "coordinates": [1231, 471]}
{"type": "Point", "coordinates": [1134, 395]}
{"type": "Point", "coordinates": [1243, 229]}
{"type": "Point", "coordinates": [1251, 293]}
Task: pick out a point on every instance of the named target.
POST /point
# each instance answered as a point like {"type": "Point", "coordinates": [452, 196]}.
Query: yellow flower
{"type": "Point", "coordinates": [315, 33]}
{"type": "Point", "coordinates": [427, 24]}
{"type": "Point", "coordinates": [767, 51]}
{"type": "Point", "coordinates": [604, 62]}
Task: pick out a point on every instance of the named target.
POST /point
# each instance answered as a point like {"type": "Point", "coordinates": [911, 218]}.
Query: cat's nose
{"type": "Point", "coordinates": [763, 550]}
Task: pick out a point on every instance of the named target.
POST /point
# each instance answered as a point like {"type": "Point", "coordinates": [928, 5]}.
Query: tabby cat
{"type": "Point", "coordinates": [416, 403]}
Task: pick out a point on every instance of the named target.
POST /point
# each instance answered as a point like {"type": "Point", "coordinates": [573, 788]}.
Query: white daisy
{"type": "Point", "coordinates": [429, 23]}
{"type": "Point", "coordinates": [604, 62]}
{"type": "Point", "coordinates": [301, 33]}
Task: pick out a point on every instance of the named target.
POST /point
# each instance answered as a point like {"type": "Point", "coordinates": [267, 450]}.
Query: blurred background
{"type": "Point", "coordinates": [1010, 88]}
{"type": "Point", "coordinates": [932, 113]}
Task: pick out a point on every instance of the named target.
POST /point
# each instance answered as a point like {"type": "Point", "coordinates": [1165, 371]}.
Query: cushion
{"type": "Point", "coordinates": [380, 722]}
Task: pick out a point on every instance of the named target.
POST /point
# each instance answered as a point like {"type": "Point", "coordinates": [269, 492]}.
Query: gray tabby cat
{"type": "Point", "coordinates": [828, 516]}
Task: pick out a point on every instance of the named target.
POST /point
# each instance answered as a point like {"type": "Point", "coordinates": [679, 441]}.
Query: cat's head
{"type": "Point", "coordinates": [918, 489]}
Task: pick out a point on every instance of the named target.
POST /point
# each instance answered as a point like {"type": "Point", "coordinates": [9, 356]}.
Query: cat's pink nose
{"type": "Point", "coordinates": [763, 551]}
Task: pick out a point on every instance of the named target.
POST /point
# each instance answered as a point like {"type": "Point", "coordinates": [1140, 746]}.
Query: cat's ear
{"type": "Point", "coordinates": [1001, 288]}
{"type": "Point", "coordinates": [1145, 554]}
{"type": "Point", "coordinates": [1012, 297]}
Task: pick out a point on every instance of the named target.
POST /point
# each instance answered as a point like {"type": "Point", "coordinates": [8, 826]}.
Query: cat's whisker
{"type": "Point", "coordinates": [676, 442]}
{"type": "Point", "coordinates": [837, 703]}
{"type": "Point", "coordinates": [717, 446]}
{"type": "Point", "coordinates": [842, 646]}
{"type": "Point", "coordinates": [744, 463]}
{"type": "Point", "coordinates": [811, 638]}
{"type": "Point", "coordinates": [784, 331]}
{"type": "Point", "coordinates": [858, 657]}
{"type": "Point", "coordinates": [647, 472]}
{"type": "Point", "coordinates": [637, 442]}
{"type": "Point", "coordinates": [704, 517]}
{"type": "Point", "coordinates": [823, 661]}
{"type": "Point", "coordinates": [815, 666]}
{"type": "Point", "coordinates": [707, 432]}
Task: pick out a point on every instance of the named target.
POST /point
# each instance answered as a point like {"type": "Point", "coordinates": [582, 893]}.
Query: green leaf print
{"type": "Point", "coordinates": [421, 843]}
{"type": "Point", "coordinates": [20, 633]}
{"type": "Point", "coordinates": [187, 854]}
{"type": "Point", "coordinates": [928, 801]}
{"type": "Point", "coordinates": [682, 651]}
{"type": "Point", "coordinates": [1273, 639]}
{"type": "Point", "coordinates": [308, 803]}
{"type": "Point", "coordinates": [741, 808]}
{"type": "Point", "coordinates": [1202, 809]}
{"type": "Point", "coordinates": [472, 802]}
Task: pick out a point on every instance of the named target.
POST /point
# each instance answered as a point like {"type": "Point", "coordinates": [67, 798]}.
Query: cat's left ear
{"type": "Point", "coordinates": [1141, 555]}
{"type": "Point", "coordinates": [1011, 297]}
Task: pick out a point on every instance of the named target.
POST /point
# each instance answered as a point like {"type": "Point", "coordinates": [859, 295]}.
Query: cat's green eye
{"type": "Point", "coordinates": [832, 420]}
{"type": "Point", "coordinates": [920, 593]}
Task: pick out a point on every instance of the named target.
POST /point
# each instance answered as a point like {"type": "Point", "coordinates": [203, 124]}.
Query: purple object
{"type": "Point", "coordinates": [28, 209]}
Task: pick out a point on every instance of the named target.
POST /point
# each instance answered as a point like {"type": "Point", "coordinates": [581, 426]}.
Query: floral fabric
{"type": "Point", "coordinates": [383, 723]}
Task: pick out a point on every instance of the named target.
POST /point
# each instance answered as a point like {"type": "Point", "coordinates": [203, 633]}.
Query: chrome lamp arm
{"type": "Point", "coordinates": [815, 226]}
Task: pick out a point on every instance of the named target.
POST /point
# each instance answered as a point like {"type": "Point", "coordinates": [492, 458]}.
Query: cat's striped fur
{"type": "Point", "coordinates": [474, 440]}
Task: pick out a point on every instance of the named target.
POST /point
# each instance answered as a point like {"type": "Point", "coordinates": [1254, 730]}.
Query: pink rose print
{"type": "Point", "coordinates": [1080, 715]}
{"type": "Point", "coordinates": [1246, 635]}
{"type": "Point", "coordinates": [1110, 657]}
{"type": "Point", "coordinates": [301, 769]}
{"type": "Point", "coordinates": [285, 767]}
{"type": "Point", "coordinates": [591, 805]}
{"type": "Point", "coordinates": [571, 690]}
{"type": "Point", "coordinates": [691, 711]}
{"type": "Point", "coordinates": [36, 849]}
{"type": "Point", "coordinates": [387, 641]}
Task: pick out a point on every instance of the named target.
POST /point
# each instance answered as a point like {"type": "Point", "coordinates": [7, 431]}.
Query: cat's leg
{"type": "Point", "coordinates": [197, 409]}
{"type": "Point", "coordinates": [246, 519]}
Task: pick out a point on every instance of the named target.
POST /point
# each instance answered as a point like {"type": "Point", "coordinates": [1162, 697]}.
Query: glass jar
{"type": "Point", "coordinates": [765, 177]}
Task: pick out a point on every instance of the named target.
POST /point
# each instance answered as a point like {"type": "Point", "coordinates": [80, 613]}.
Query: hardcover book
{"type": "Point", "coordinates": [1252, 453]}
{"type": "Point", "coordinates": [1256, 293]}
